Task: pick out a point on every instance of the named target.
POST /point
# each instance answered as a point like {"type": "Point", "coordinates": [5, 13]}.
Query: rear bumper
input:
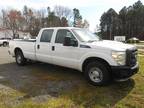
{"type": "Point", "coordinates": [124, 72]}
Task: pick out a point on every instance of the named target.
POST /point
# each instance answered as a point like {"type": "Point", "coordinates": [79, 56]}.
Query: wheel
{"type": "Point", "coordinates": [4, 44]}
{"type": "Point", "coordinates": [97, 73]}
{"type": "Point", "coordinates": [20, 60]}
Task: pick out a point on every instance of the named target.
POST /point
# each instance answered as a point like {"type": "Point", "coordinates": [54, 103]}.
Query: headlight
{"type": "Point", "coordinates": [119, 57]}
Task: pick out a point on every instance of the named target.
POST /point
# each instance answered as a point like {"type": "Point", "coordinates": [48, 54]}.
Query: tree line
{"type": "Point", "coordinates": [31, 20]}
{"type": "Point", "coordinates": [128, 22]}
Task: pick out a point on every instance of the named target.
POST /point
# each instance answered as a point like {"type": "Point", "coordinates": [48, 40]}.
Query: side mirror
{"type": "Point", "coordinates": [74, 42]}
{"type": "Point", "coordinates": [67, 41]}
{"type": "Point", "coordinates": [70, 42]}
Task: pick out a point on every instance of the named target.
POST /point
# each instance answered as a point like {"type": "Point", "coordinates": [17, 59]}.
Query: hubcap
{"type": "Point", "coordinates": [19, 58]}
{"type": "Point", "coordinates": [95, 75]}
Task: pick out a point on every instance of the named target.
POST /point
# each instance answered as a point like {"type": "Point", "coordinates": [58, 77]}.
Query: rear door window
{"type": "Point", "coordinates": [46, 35]}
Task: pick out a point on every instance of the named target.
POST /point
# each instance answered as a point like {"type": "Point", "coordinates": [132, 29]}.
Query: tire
{"type": "Point", "coordinates": [5, 44]}
{"type": "Point", "coordinates": [97, 73]}
{"type": "Point", "coordinates": [20, 60]}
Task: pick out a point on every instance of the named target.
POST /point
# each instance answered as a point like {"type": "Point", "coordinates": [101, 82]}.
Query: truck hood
{"type": "Point", "coordinates": [112, 45]}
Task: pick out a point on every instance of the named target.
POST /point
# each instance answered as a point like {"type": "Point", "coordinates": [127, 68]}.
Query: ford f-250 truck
{"type": "Point", "coordinates": [100, 60]}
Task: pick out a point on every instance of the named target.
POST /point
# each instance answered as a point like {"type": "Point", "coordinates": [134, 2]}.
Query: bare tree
{"type": "Point", "coordinates": [40, 15]}
{"type": "Point", "coordinates": [13, 20]}
{"type": "Point", "coordinates": [85, 24]}
{"type": "Point", "coordinates": [3, 17]}
{"type": "Point", "coordinates": [64, 22]}
{"type": "Point", "coordinates": [62, 11]}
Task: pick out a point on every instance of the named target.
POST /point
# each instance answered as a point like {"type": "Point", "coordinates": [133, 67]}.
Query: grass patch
{"type": "Point", "coordinates": [141, 52]}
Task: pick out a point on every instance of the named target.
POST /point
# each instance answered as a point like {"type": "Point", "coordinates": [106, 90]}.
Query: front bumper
{"type": "Point", "coordinates": [124, 72]}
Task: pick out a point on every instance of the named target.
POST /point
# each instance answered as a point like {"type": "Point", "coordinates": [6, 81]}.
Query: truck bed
{"type": "Point", "coordinates": [25, 40]}
{"type": "Point", "coordinates": [27, 46]}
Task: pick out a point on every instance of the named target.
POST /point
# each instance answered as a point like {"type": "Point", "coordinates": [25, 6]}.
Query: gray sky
{"type": "Point", "coordinates": [90, 9]}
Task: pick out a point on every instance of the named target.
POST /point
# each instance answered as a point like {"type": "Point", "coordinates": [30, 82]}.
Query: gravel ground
{"type": "Point", "coordinates": [37, 81]}
{"type": "Point", "coordinates": [4, 56]}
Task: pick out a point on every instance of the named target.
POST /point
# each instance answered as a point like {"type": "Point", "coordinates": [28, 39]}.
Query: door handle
{"type": "Point", "coordinates": [38, 46]}
{"type": "Point", "coordinates": [53, 48]}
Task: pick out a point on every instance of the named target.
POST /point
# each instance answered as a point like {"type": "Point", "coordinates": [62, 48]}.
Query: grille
{"type": "Point", "coordinates": [131, 57]}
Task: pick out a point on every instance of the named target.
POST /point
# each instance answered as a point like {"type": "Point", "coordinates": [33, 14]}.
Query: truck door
{"type": "Point", "coordinates": [64, 55]}
{"type": "Point", "coordinates": [43, 47]}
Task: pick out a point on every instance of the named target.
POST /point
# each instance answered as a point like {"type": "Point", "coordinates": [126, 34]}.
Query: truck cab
{"type": "Point", "coordinates": [100, 60]}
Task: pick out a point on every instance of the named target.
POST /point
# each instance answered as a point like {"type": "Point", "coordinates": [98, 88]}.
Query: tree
{"type": "Point", "coordinates": [4, 16]}
{"type": "Point", "coordinates": [129, 22]}
{"type": "Point", "coordinates": [25, 13]}
{"type": "Point", "coordinates": [62, 11]}
{"type": "Point", "coordinates": [53, 21]}
{"type": "Point", "coordinates": [109, 23]}
{"type": "Point", "coordinates": [31, 20]}
{"type": "Point", "coordinates": [35, 28]}
{"type": "Point", "coordinates": [64, 22]}
{"type": "Point", "coordinates": [13, 21]}
{"type": "Point", "coordinates": [137, 19]}
{"type": "Point", "coordinates": [86, 24]}
{"type": "Point", "coordinates": [123, 17]}
{"type": "Point", "coordinates": [77, 18]}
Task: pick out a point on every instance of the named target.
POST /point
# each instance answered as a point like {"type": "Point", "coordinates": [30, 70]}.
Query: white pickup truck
{"type": "Point", "coordinates": [100, 60]}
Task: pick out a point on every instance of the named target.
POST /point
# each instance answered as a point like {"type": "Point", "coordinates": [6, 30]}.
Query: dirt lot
{"type": "Point", "coordinates": [43, 85]}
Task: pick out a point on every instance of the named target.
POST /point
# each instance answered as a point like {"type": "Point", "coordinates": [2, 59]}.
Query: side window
{"type": "Point", "coordinates": [61, 34]}
{"type": "Point", "coordinates": [46, 35]}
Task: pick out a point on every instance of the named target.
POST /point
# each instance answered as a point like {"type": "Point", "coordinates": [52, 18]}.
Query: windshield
{"type": "Point", "coordinates": [85, 35]}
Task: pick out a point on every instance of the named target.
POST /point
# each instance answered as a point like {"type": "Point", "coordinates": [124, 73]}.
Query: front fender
{"type": "Point", "coordinates": [105, 56]}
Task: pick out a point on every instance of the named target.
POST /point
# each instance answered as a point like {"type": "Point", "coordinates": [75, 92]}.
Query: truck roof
{"type": "Point", "coordinates": [61, 28]}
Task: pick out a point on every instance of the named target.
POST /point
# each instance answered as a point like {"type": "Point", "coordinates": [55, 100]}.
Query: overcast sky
{"type": "Point", "coordinates": [89, 9]}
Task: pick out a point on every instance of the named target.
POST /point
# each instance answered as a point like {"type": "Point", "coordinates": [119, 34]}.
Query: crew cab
{"type": "Point", "coordinates": [100, 60]}
{"type": "Point", "coordinates": [4, 41]}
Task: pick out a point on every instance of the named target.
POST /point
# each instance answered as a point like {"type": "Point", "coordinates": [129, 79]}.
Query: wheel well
{"type": "Point", "coordinates": [5, 42]}
{"type": "Point", "coordinates": [16, 50]}
{"type": "Point", "coordinates": [92, 59]}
